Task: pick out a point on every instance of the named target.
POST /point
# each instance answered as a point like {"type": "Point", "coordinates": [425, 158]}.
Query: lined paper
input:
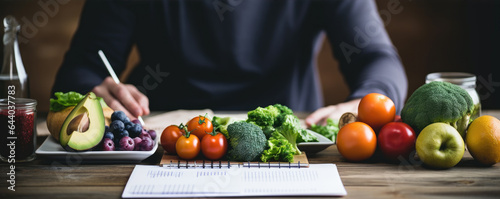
{"type": "Point", "coordinates": [156, 182]}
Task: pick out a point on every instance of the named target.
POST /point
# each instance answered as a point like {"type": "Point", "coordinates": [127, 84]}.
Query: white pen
{"type": "Point", "coordinates": [113, 75]}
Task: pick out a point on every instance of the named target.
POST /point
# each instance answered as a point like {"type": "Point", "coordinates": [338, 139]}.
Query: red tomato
{"type": "Point", "coordinates": [395, 140]}
{"type": "Point", "coordinates": [214, 147]}
{"type": "Point", "coordinates": [200, 126]}
{"type": "Point", "coordinates": [376, 110]}
{"type": "Point", "coordinates": [169, 137]}
{"type": "Point", "coordinates": [356, 141]}
{"type": "Point", "coordinates": [188, 147]}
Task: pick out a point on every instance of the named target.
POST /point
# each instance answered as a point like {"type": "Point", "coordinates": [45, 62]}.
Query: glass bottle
{"type": "Point", "coordinates": [465, 80]}
{"type": "Point", "coordinates": [12, 73]}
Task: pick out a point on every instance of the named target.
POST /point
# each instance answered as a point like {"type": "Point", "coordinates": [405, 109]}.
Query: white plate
{"type": "Point", "coordinates": [314, 147]}
{"type": "Point", "coordinates": [50, 148]}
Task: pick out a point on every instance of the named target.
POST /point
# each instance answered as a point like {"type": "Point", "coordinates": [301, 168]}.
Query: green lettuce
{"type": "Point", "coordinates": [64, 100]}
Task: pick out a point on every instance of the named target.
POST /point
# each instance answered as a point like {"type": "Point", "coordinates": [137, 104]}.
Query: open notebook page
{"type": "Point", "coordinates": [156, 182]}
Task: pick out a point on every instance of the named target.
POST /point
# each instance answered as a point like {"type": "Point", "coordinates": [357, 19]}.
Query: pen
{"type": "Point", "coordinates": [113, 75]}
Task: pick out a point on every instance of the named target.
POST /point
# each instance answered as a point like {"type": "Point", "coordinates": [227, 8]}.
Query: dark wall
{"type": "Point", "coordinates": [430, 35]}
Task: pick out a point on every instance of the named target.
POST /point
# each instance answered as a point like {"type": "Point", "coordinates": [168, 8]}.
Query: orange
{"type": "Point", "coordinates": [356, 141]}
{"type": "Point", "coordinates": [483, 140]}
{"type": "Point", "coordinates": [376, 110]}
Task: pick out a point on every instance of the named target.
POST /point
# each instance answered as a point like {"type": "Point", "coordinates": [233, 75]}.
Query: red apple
{"type": "Point", "coordinates": [396, 140]}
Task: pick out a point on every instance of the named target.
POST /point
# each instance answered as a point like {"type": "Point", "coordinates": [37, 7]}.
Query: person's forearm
{"type": "Point", "coordinates": [366, 56]}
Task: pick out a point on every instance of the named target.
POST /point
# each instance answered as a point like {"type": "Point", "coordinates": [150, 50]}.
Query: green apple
{"type": "Point", "coordinates": [439, 145]}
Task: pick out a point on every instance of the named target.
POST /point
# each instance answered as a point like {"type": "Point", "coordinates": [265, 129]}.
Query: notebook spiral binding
{"type": "Point", "coordinates": [182, 164]}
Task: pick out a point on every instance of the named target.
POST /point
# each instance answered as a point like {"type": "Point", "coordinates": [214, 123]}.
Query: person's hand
{"type": "Point", "coordinates": [123, 97]}
{"type": "Point", "coordinates": [334, 111]}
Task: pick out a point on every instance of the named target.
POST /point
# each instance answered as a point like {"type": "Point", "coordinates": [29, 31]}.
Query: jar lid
{"type": "Point", "coordinates": [18, 102]}
{"type": "Point", "coordinates": [458, 78]}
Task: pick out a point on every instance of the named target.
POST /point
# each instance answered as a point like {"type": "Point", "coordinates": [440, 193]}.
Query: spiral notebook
{"type": "Point", "coordinates": [233, 181]}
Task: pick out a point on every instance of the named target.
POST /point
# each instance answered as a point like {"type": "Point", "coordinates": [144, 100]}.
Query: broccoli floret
{"type": "Point", "coordinates": [438, 102]}
{"type": "Point", "coordinates": [290, 129]}
{"type": "Point", "coordinates": [279, 149]}
{"type": "Point", "coordinates": [247, 141]}
{"type": "Point", "coordinates": [220, 124]}
{"type": "Point", "coordinates": [330, 130]}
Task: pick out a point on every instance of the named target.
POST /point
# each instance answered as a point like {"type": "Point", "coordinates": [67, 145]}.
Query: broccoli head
{"type": "Point", "coordinates": [290, 129]}
{"type": "Point", "coordinates": [438, 102]}
{"type": "Point", "coordinates": [246, 141]}
{"type": "Point", "coordinates": [279, 149]}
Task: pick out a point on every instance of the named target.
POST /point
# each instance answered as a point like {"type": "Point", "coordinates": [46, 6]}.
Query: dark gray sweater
{"type": "Point", "coordinates": [233, 55]}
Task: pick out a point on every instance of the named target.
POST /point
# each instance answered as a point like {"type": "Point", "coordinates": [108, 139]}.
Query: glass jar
{"type": "Point", "coordinates": [465, 80]}
{"type": "Point", "coordinates": [17, 129]}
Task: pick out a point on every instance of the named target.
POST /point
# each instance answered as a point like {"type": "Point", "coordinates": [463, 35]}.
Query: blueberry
{"type": "Point", "coordinates": [124, 133]}
{"type": "Point", "coordinates": [128, 125]}
{"type": "Point", "coordinates": [152, 133]}
{"type": "Point", "coordinates": [109, 135]}
{"type": "Point", "coordinates": [117, 126]}
{"type": "Point", "coordinates": [119, 115]}
{"type": "Point", "coordinates": [107, 129]}
{"type": "Point", "coordinates": [108, 145]}
{"type": "Point", "coordinates": [135, 130]}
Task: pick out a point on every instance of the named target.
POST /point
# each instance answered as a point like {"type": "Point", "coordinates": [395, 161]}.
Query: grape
{"type": "Point", "coordinates": [127, 144]}
{"type": "Point", "coordinates": [152, 133]}
{"type": "Point", "coordinates": [147, 144]}
{"type": "Point", "coordinates": [143, 134]}
{"type": "Point", "coordinates": [137, 140]}
{"type": "Point", "coordinates": [108, 145]}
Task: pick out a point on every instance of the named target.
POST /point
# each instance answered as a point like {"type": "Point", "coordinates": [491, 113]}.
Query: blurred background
{"type": "Point", "coordinates": [430, 36]}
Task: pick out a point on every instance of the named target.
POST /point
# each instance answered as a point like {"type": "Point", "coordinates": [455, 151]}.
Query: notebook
{"type": "Point", "coordinates": [233, 181]}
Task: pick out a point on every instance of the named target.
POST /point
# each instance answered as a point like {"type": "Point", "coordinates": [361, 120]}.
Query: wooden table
{"type": "Point", "coordinates": [44, 178]}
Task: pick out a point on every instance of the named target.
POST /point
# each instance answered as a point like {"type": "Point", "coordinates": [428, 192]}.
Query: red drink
{"type": "Point", "coordinates": [17, 130]}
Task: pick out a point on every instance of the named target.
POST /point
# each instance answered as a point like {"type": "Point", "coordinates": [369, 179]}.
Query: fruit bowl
{"type": "Point", "coordinates": [51, 149]}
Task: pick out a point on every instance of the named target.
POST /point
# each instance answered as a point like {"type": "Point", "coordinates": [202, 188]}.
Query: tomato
{"type": "Point", "coordinates": [214, 146]}
{"type": "Point", "coordinates": [200, 126]}
{"type": "Point", "coordinates": [376, 110]}
{"type": "Point", "coordinates": [356, 141]}
{"type": "Point", "coordinates": [396, 140]}
{"type": "Point", "coordinates": [169, 137]}
{"type": "Point", "coordinates": [188, 147]}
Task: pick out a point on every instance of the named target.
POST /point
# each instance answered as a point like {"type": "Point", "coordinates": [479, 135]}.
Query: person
{"type": "Point", "coordinates": [230, 55]}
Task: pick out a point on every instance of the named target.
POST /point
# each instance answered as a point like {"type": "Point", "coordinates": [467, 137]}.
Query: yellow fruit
{"type": "Point", "coordinates": [483, 140]}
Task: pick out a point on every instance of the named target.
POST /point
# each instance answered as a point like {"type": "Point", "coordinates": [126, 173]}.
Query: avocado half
{"type": "Point", "coordinates": [79, 139]}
